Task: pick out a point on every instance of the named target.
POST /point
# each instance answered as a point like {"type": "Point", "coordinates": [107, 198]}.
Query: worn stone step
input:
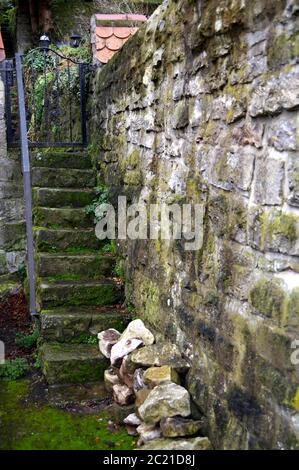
{"type": "Point", "coordinates": [44, 177]}
{"type": "Point", "coordinates": [75, 325]}
{"type": "Point", "coordinates": [72, 363]}
{"type": "Point", "coordinates": [60, 160]}
{"type": "Point", "coordinates": [76, 293]}
{"type": "Point", "coordinates": [81, 266]}
{"type": "Point", "coordinates": [67, 218]}
{"type": "Point", "coordinates": [49, 240]}
{"type": "Point", "coordinates": [59, 197]}
{"type": "Point", "coordinates": [87, 394]}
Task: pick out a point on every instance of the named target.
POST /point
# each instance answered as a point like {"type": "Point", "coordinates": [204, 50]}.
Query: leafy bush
{"type": "Point", "coordinates": [27, 341]}
{"type": "Point", "coordinates": [102, 196]}
{"type": "Point", "coordinates": [14, 369]}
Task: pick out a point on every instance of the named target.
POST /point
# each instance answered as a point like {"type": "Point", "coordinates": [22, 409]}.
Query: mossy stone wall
{"type": "Point", "coordinates": [202, 106]}
{"type": "Point", "coordinates": [12, 226]}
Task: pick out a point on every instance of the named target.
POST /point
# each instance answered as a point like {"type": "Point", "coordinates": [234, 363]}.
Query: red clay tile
{"type": "Point", "coordinates": [114, 43]}
{"type": "Point", "coordinates": [100, 43]}
{"type": "Point", "coordinates": [105, 55]}
{"type": "Point", "coordinates": [110, 39]}
{"type": "Point", "coordinates": [121, 32]}
{"type": "Point", "coordinates": [2, 51]}
{"type": "Point", "coordinates": [104, 31]}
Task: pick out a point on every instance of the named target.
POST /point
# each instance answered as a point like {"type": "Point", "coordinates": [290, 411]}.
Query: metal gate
{"type": "Point", "coordinates": [55, 99]}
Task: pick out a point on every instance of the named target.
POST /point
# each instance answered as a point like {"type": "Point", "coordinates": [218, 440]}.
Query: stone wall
{"type": "Point", "coordinates": [201, 106]}
{"type": "Point", "coordinates": [12, 228]}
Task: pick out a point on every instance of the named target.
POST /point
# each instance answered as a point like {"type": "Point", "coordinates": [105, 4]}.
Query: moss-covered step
{"type": "Point", "coordinates": [59, 178]}
{"type": "Point", "coordinates": [72, 363]}
{"type": "Point", "coordinates": [51, 240]}
{"type": "Point", "coordinates": [59, 197]}
{"type": "Point", "coordinates": [76, 266]}
{"type": "Point", "coordinates": [76, 293]}
{"type": "Point", "coordinates": [68, 218]}
{"type": "Point", "coordinates": [60, 160]}
{"type": "Point", "coordinates": [80, 324]}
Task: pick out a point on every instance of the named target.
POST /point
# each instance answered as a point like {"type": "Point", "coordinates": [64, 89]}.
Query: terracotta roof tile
{"type": "Point", "coordinates": [113, 33]}
{"type": "Point", "coordinates": [105, 55]}
{"type": "Point", "coordinates": [114, 43]}
{"type": "Point", "coordinates": [122, 32]}
{"type": "Point", "coordinates": [100, 43]}
{"type": "Point", "coordinates": [2, 51]}
{"type": "Point", "coordinates": [104, 31]}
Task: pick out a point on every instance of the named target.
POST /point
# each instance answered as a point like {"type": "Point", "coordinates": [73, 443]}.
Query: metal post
{"type": "Point", "coordinates": [27, 185]}
{"type": "Point", "coordinates": [82, 69]}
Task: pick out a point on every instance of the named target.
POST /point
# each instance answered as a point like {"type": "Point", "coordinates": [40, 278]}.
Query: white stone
{"type": "Point", "coordinates": [136, 329]}
{"type": "Point", "coordinates": [132, 420]}
{"type": "Point", "coordinates": [123, 348]}
{"type": "Point", "coordinates": [165, 401]}
{"type": "Point", "coordinates": [107, 339]}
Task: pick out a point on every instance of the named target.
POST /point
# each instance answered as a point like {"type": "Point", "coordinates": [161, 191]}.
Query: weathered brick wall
{"type": "Point", "coordinates": [201, 106]}
{"type": "Point", "coordinates": [12, 229]}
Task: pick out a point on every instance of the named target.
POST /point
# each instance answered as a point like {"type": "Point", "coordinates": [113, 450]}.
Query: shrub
{"type": "Point", "coordinates": [14, 369]}
{"type": "Point", "coordinates": [27, 341]}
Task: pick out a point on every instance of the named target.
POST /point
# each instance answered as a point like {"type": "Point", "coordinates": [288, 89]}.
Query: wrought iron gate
{"type": "Point", "coordinates": [55, 99]}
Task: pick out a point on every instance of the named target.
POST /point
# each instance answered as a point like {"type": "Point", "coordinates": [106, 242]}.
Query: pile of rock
{"type": "Point", "coordinates": [148, 377]}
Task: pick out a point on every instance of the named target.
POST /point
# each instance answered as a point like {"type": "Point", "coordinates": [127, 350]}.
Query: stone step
{"type": "Point", "coordinates": [44, 177]}
{"type": "Point", "coordinates": [86, 395]}
{"type": "Point", "coordinates": [72, 363]}
{"type": "Point", "coordinates": [58, 197]}
{"type": "Point", "coordinates": [49, 240]}
{"type": "Point", "coordinates": [85, 266]}
{"type": "Point", "coordinates": [61, 160]}
{"type": "Point", "coordinates": [67, 218]}
{"type": "Point", "coordinates": [76, 293]}
{"type": "Point", "coordinates": [75, 325]}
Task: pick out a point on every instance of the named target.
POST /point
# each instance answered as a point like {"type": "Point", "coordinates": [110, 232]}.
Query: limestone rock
{"type": "Point", "coordinates": [111, 378]}
{"type": "Point", "coordinates": [195, 443]}
{"type": "Point", "coordinates": [131, 430]}
{"type": "Point", "coordinates": [148, 432]}
{"type": "Point", "coordinates": [122, 394]}
{"type": "Point", "coordinates": [179, 427]}
{"type": "Point", "coordinates": [132, 420]}
{"type": "Point", "coordinates": [136, 329]}
{"type": "Point", "coordinates": [165, 401]}
{"type": "Point", "coordinates": [107, 339]}
{"type": "Point", "coordinates": [141, 396]}
{"type": "Point", "coordinates": [119, 413]}
{"type": "Point", "coordinates": [160, 375]}
{"type": "Point", "coordinates": [160, 355]}
{"type": "Point", "coordinates": [122, 349]}
{"type": "Point", "coordinates": [138, 380]}
{"type": "Point", "coordinates": [124, 373]}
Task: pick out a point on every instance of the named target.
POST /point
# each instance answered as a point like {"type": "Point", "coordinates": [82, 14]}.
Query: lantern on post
{"type": "Point", "coordinates": [44, 43]}
{"type": "Point", "coordinates": [75, 40]}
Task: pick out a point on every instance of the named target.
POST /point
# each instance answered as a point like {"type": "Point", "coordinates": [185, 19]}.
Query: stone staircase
{"type": "Point", "coordinates": [77, 293]}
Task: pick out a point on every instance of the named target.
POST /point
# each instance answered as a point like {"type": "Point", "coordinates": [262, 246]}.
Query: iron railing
{"type": "Point", "coordinates": [55, 99]}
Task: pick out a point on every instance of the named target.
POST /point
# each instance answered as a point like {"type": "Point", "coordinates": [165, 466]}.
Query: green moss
{"type": "Point", "coordinates": [285, 225]}
{"type": "Point", "coordinates": [27, 427]}
{"type": "Point", "coordinates": [269, 299]}
{"type": "Point", "coordinates": [293, 308]}
{"type": "Point", "coordinates": [295, 400]}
